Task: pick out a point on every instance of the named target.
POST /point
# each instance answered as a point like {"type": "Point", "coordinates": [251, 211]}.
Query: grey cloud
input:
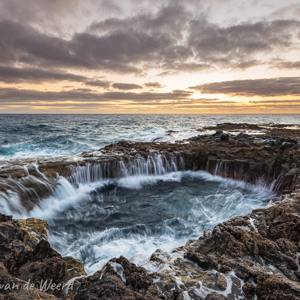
{"type": "Point", "coordinates": [20, 95]}
{"type": "Point", "coordinates": [237, 44]}
{"type": "Point", "coordinates": [56, 16]}
{"type": "Point", "coordinates": [253, 87]}
{"type": "Point", "coordinates": [35, 75]}
{"type": "Point", "coordinates": [99, 83]}
{"type": "Point", "coordinates": [14, 75]}
{"type": "Point", "coordinates": [126, 86]}
{"type": "Point", "coordinates": [290, 10]}
{"type": "Point", "coordinates": [172, 39]}
{"type": "Point", "coordinates": [175, 68]}
{"type": "Point", "coordinates": [171, 19]}
{"type": "Point", "coordinates": [274, 101]}
{"type": "Point", "coordinates": [146, 96]}
{"type": "Point", "coordinates": [155, 84]}
{"type": "Point", "coordinates": [114, 52]}
{"type": "Point", "coordinates": [286, 64]}
{"type": "Point", "coordinates": [13, 95]}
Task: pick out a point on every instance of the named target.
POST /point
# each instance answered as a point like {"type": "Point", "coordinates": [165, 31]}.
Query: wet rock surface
{"type": "Point", "coordinates": [28, 264]}
{"type": "Point", "coordinates": [239, 156]}
{"type": "Point", "coordinates": [256, 255]}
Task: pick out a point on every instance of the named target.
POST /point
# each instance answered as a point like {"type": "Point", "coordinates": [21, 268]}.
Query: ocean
{"type": "Point", "coordinates": [57, 135]}
{"type": "Point", "coordinates": [133, 215]}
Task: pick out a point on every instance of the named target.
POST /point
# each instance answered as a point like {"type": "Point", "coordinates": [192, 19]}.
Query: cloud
{"type": "Point", "coordinates": [13, 95]}
{"type": "Point", "coordinates": [99, 83]}
{"type": "Point", "coordinates": [155, 85]}
{"type": "Point", "coordinates": [16, 75]}
{"type": "Point", "coordinates": [172, 39]}
{"type": "Point", "coordinates": [126, 86]}
{"type": "Point", "coordinates": [58, 41]}
{"type": "Point", "coordinates": [253, 87]}
{"type": "Point", "coordinates": [236, 45]}
{"type": "Point", "coordinates": [286, 64]}
{"type": "Point", "coordinates": [272, 102]}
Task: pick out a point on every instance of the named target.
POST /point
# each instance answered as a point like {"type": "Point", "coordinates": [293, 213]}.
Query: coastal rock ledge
{"type": "Point", "coordinates": [256, 256]}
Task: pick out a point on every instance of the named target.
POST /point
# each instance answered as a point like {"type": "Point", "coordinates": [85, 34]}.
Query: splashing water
{"type": "Point", "coordinates": [138, 214]}
{"type": "Point", "coordinates": [129, 207]}
{"type": "Point", "coordinates": [56, 135]}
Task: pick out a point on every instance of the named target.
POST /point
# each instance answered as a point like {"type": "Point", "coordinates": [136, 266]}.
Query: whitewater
{"type": "Point", "coordinates": [58, 135]}
{"type": "Point", "coordinates": [150, 204]}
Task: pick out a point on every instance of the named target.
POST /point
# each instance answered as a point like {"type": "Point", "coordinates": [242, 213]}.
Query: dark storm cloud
{"type": "Point", "coordinates": [14, 75]}
{"type": "Point", "coordinates": [255, 87]}
{"type": "Point", "coordinates": [126, 86]}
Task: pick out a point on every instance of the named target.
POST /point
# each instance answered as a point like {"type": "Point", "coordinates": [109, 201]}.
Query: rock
{"type": "Point", "coordinates": [26, 256]}
{"type": "Point", "coordinates": [246, 255]}
{"type": "Point", "coordinates": [203, 261]}
{"type": "Point", "coordinates": [36, 227]}
{"type": "Point", "coordinates": [224, 137]}
{"type": "Point", "coordinates": [4, 218]}
{"type": "Point", "coordinates": [243, 136]}
{"type": "Point", "coordinates": [74, 268]}
{"type": "Point", "coordinates": [249, 289]}
{"type": "Point", "coordinates": [286, 145]}
{"type": "Point", "coordinates": [277, 287]}
{"type": "Point", "coordinates": [119, 279]}
{"type": "Point", "coordinates": [215, 296]}
{"type": "Point", "coordinates": [16, 289]}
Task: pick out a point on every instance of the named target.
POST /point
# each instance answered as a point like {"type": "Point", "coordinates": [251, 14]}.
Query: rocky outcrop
{"type": "Point", "coordinates": [242, 156]}
{"type": "Point", "coordinates": [29, 267]}
{"type": "Point", "coordinates": [256, 255]}
{"type": "Point", "coordinates": [279, 130]}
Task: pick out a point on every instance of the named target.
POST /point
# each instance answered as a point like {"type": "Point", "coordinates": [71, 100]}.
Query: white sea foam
{"type": "Point", "coordinates": [67, 194]}
{"type": "Point", "coordinates": [80, 199]}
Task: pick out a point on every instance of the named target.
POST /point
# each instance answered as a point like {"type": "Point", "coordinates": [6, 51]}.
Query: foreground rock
{"type": "Point", "coordinates": [28, 264]}
{"type": "Point", "coordinates": [248, 256]}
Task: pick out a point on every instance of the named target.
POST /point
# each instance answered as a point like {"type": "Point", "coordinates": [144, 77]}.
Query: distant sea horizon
{"type": "Point", "coordinates": [149, 114]}
{"type": "Point", "coordinates": [51, 135]}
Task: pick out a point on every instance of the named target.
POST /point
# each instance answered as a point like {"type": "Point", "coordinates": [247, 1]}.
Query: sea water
{"type": "Point", "coordinates": [95, 220]}
{"type": "Point", "coordinates": [57, 135]}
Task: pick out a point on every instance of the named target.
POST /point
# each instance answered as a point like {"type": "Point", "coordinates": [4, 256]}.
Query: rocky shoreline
{"type": "Point", "coordinates": [251, 256]}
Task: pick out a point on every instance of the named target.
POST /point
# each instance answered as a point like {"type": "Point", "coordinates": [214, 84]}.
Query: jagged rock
{"type": "Point", "coordinates": [249, 289]}
{"type": "Point", "coordinates": [257, 254]}
{"type": "Point", "coordinates": [16, 289]}
{"type": "Point", "coordinates": [27, 257]}
{"type": "Point", "coordinates": [262, 155]}
{"type": "Point", "coordinates": [277, 287]}
{"type": "Point", "coordinates": [35, 227]}
{"type": "Point", "coordinates": [215, 296]}
{"type": "Point", "coordinates": [119, 279]}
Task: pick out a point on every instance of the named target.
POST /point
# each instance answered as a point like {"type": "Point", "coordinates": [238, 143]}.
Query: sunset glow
{"type": "Point", "coordinates": [149, 56]}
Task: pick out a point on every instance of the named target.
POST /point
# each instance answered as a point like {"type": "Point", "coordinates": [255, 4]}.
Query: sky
{"type": "Point", "coordinates": [149, 56]}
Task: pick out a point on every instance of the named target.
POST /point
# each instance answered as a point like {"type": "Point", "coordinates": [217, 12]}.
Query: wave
{"type": "Point", "coordinates": [82, 183]}
{"type": "Point", "coordinates": [123, 216]}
